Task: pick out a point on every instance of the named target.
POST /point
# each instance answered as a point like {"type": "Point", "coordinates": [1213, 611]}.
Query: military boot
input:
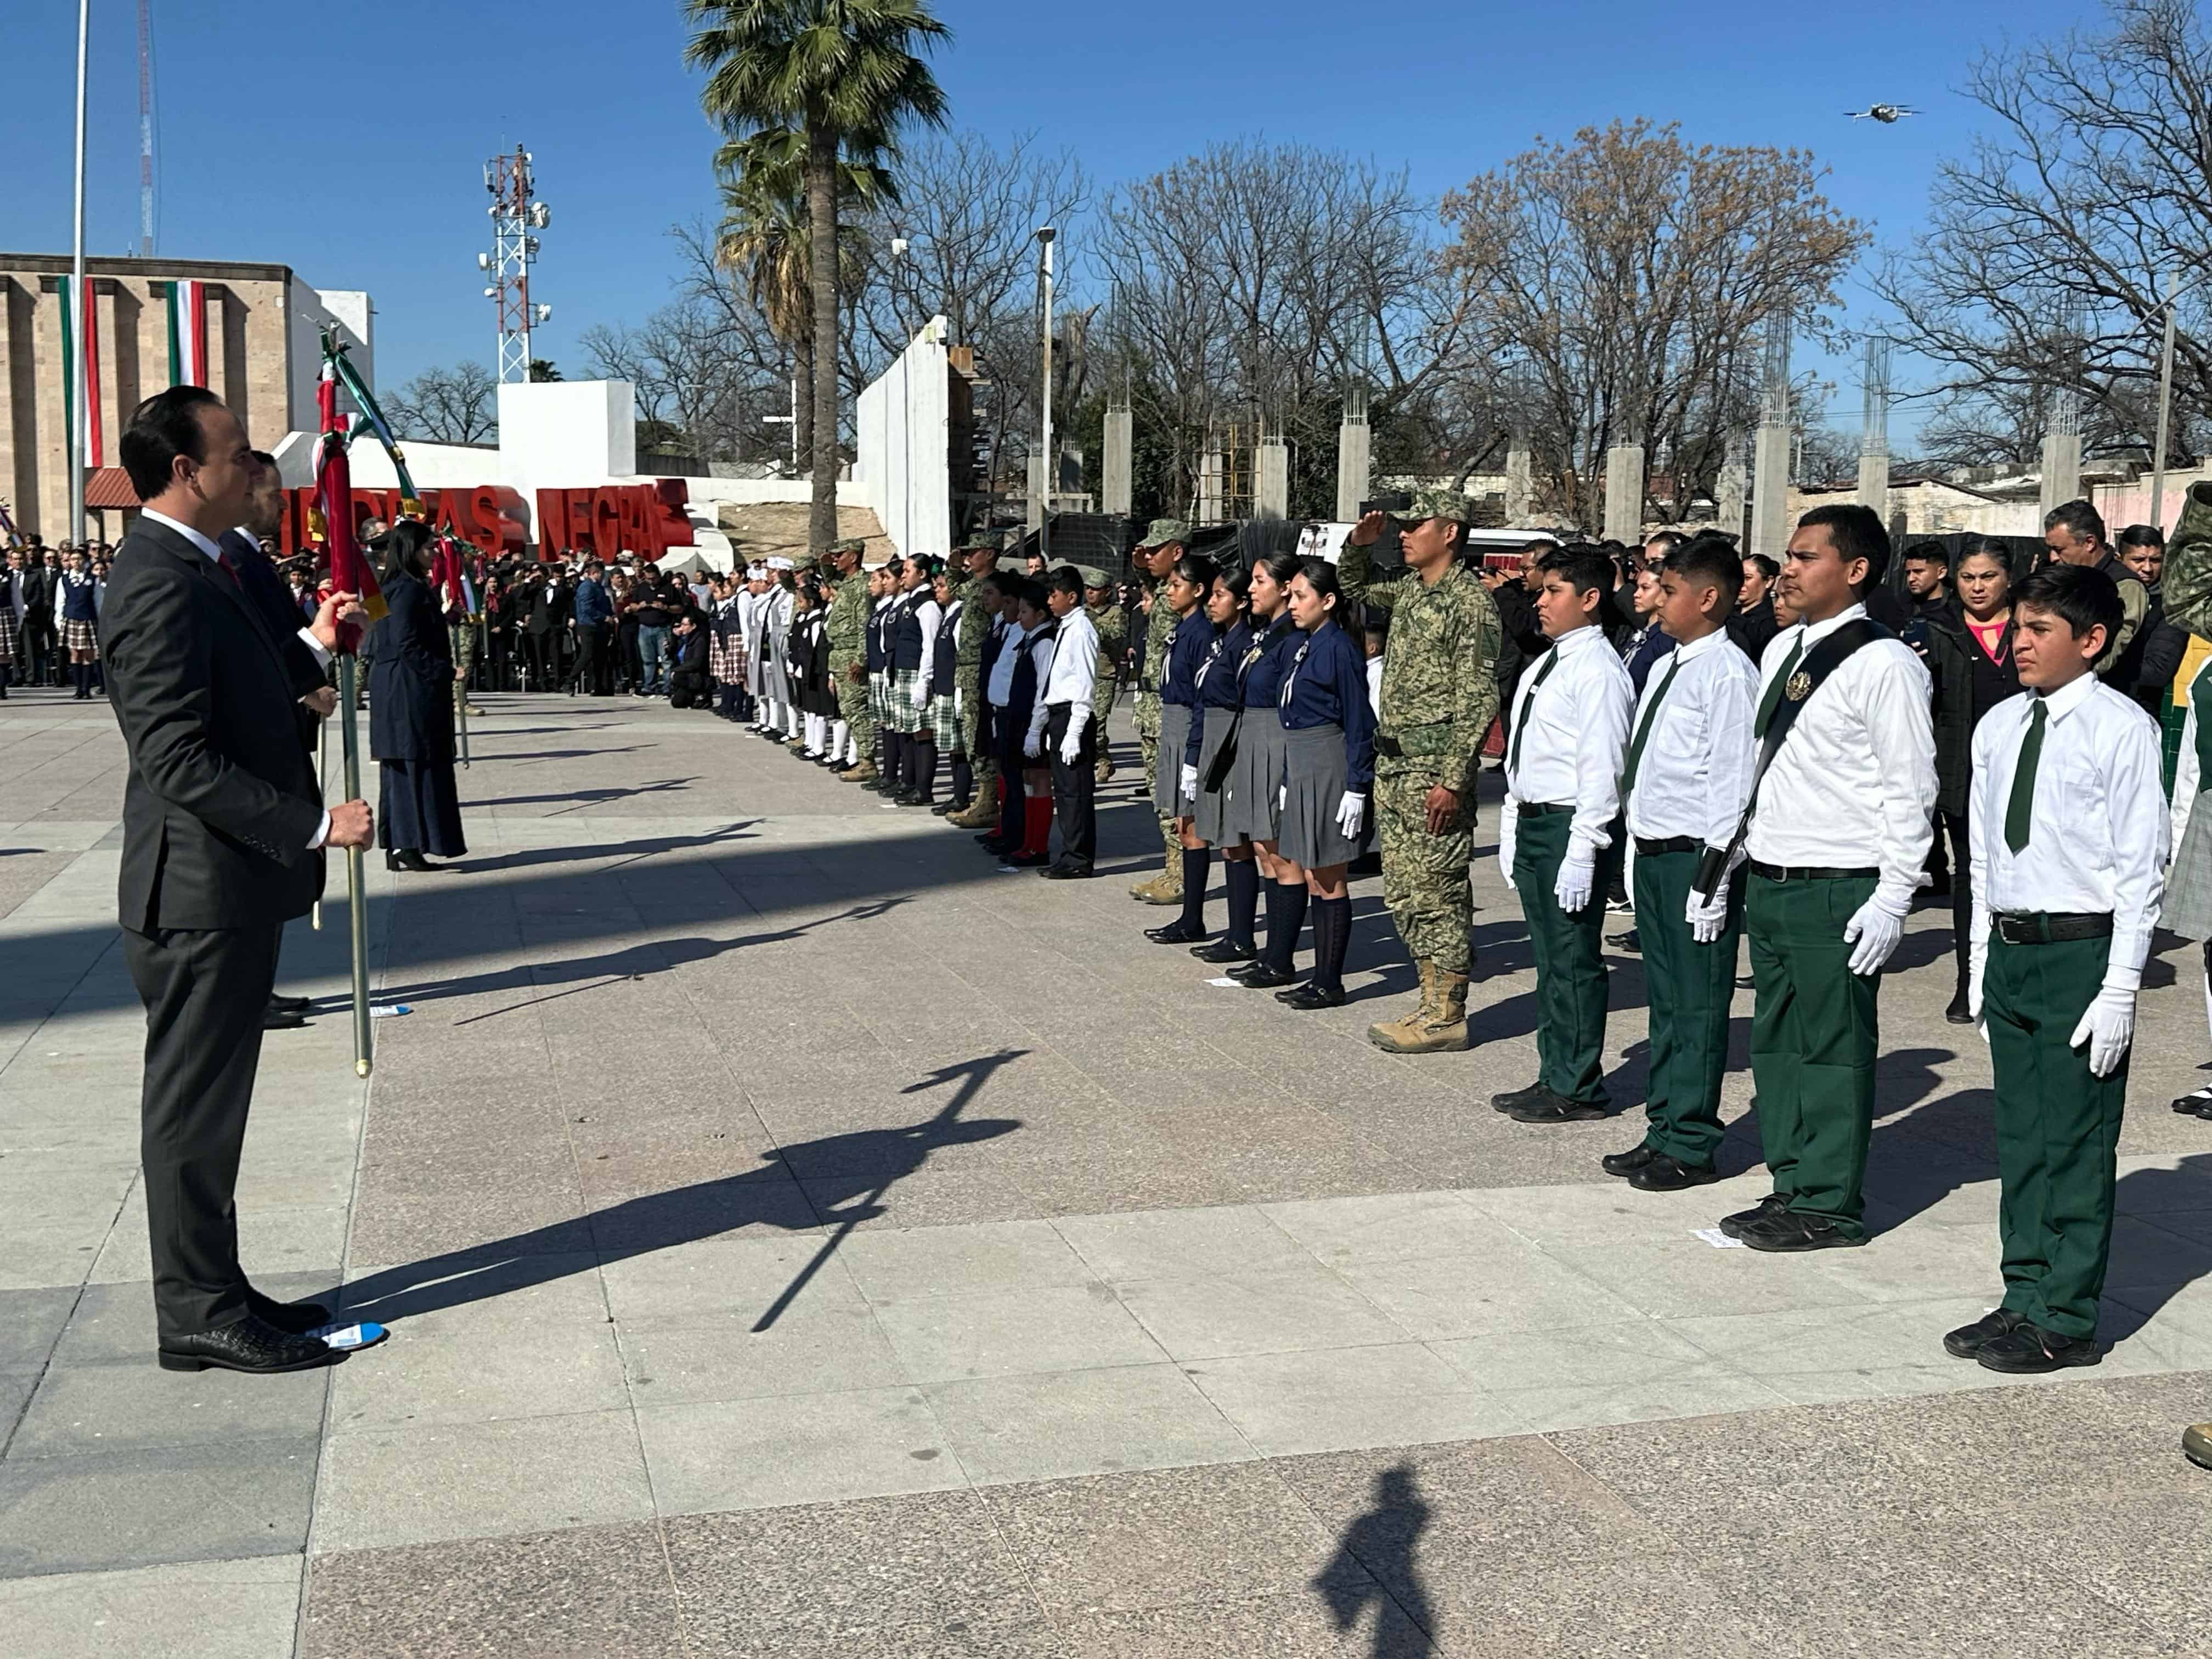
{"type": "Point", "coordinates": [982, 812]}
{"type": "Point", "coordinates": [1438, 1026]}
{"type": "Point", "coordinates": [1104, 772]}
{"type": "Point", "coordinates": [1165, 888]}
{"type": "Point", "coordinates": [863, 771]}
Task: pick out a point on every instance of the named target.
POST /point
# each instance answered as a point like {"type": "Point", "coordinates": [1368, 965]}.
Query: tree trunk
{"type": "Point", "coordinates": [822, 216]}
{"type": "Point", "coordinates": [802, 367]}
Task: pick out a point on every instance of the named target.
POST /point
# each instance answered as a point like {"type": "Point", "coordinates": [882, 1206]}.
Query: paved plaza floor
{"type": "Point", "coordinates": [801, 1239]}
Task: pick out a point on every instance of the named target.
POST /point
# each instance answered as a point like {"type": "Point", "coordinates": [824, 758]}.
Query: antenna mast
{"type": "Point", "coordinates": [145, 132]}
{"type": "Point", "coordinates": [515, 213]}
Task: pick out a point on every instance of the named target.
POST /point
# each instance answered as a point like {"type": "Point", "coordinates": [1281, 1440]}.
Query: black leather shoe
{"type": "Point", "coordinates": [293, 1005]}
{"type": "Point", "coordinates": [1174, 933]}
{"type": "Point", "coordinates": [1309, 996]}
{"type": "Point", "coordinates": [1956, 1013]}
{"type": "Point", "coordinates": [1550, 1108]}
{"type": "Point", "coordinates": [1260, 976]}
{"type": "Point", "coordinates": [295, 1317]}
{"type": "Point", "coordinates": [991, 841]}
{"type": "Point", "coordinates": [1733, 1225]}
{"type": "Point", "coordinates": [2027, 1350]}
{"type": "Point", "coordinates": [1067, 873]}
{"type": "Point", "coordinates": [1626, 939]}
{"type": "Point", "coordinates": [251, 1344]}
{"type": "Point", "coordinates": [1512, 1098]}
{"type": "Point", "coordinates": [2195, 1102]}
{"type": "Point", "coordinates": [1225, 950]}
{"type": "Point", "coordinates": [1970, 1340]}
{"type": "Point", "coordinates": [945, 809]}
{"type": "Point", "coordinates": [409, 859]}
{"type": "Point", "coordinates": [1786, 1232]}
{"type": "Point", "coordinates": [1668, 1174]}
{"type": "Point", "coordinates": [1627, 1163]}
{"type": "Point", "coordinates": [1028, 861]}
{"type": "Point", "coordinates": [274, 1018]}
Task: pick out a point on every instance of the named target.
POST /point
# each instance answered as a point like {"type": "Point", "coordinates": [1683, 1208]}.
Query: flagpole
{"type": "Point", "coordinates": [73, 447]}
{"type": "Point", "coordinates": [357, 888]}
{"type": "Point", "coordinates": [322, 790]}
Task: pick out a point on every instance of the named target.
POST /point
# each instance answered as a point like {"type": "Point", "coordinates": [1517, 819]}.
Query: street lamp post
{"type": "Point", "coordinates": [1044, 236]}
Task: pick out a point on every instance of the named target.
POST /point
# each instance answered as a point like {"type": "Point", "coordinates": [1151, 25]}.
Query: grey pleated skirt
{"type": "Point", "coordinates": [2188, 908]}
{"type": "Point", "coordinates": [1250, 813]}
{"type": "Point", "coordinates": [1167, 777]}
{"type": "Point", "coordinates": [1208, 814]}
{"type": "Point", "coordinates": [1314, 768]}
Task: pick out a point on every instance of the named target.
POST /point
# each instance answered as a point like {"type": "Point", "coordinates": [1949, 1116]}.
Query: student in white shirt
{"type": "Point", "coordinates": [1839, 829]}
{"type": "Point", "coordinates": [1559, 831]}
{"type": "Point", "coordinates": [1060, 727]}
{"type": "Point", "coordinates": [2068, 819]}
{"type": "Point", "coordinates": [1688, 769]}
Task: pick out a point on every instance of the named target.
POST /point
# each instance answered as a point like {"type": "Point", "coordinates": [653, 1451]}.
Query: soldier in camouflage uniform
{"type": "Point", "coordinates": [1439, 696]}
{"type": "Point", "coordinates": [846, 627]}
{"type": "Point", "coordinates": [1156, 555]}
{"type": "Point", "coordinates": [978, 558]}
{"type": "Point", "coordinates": [1105, 612]}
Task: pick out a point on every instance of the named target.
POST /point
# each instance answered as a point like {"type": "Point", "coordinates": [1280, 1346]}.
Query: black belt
{"type": "Point", "coordinates": [1537, 809]}
{"type": "Point", "coordinates": [1804, 872]}
{"type": "Point", "coordinates": [2051, 926]}
{"type": "Point", "coordinates": [1652, 847]}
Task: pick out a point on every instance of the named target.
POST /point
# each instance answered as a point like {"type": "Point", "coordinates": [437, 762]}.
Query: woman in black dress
{"type": "Point", "coordinates": [411, 727]}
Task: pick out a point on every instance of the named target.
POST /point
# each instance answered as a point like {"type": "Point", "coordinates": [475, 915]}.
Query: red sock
{"type": "Point", "coordinates": [1036, 837]}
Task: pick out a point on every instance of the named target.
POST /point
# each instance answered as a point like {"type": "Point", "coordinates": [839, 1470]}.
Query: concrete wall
{"type": "Point", "coordinates": [902, 460]}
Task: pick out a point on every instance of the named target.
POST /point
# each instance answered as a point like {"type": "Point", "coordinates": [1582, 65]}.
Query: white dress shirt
{"type": "Point", "coordinates": [1853, 784]}
{"type": "Point", "coordinates": [1572, 734]}
{"type": "Point", "coordinates": [1000, 691]}
{"type": "Point", "coordinates": [1071, 677]}
{"type": "Point", "coordinates": [1696, 766]}
{"type": "Point", "coordinates": [930, 616]}
{"type": "Point", "coordinates": [215, 556]}
{"type": "Point", "coordinates": [2097, 835]}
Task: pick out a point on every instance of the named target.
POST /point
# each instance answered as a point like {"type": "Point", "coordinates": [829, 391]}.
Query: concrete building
{"type": "Point", "coordinates": [263, 359]}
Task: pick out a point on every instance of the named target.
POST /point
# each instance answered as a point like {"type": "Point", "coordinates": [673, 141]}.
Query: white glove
{"type": "Point", "coordinates": [1508, 822]}
{"type": "Point", "coordinates": [1576, 875]}
{"type": "Point", "coordinates": [1351, 813]}
{"type": "Point", "coordinates": [1282, 797]}
{"type": "Point", "coordinates": [1071, 746]}
{"type": "Point", "coordinates": [1977, 962]}
{"type": "Point", "coordinates": [1033, 745]}
{"type": "Point", "coordinates": [1190, 783]}
{"type": "Point", "coordinates": [2108, 1028]}
{"type": "Point", "coordinates": [1875, 929]}
{"type": "Point", "coordinates": [1707, 919]}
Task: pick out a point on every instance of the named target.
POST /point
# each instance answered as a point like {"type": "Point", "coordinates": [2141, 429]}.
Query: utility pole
{"type": "Point", "coordinates": [515, 213]}
{"type": "Point", "coordinates": [1044, 236]}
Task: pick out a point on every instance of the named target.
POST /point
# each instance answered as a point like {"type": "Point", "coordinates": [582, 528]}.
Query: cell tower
{"type": "Point", "coordinates": [515, 213]}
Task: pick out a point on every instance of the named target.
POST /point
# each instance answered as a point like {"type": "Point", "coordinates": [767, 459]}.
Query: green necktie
{"type": "Point", "coordinates": [1551, 661]}
{"type": "Point", "coordinates": [1643, 726]}
{"type": "Point", "coordinates": [1772, 699]}
{"type": "Point", "coordinates": [2021, 807]}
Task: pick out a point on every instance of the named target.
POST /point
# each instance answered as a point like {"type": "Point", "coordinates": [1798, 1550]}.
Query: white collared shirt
{"type": "Point", "coordinates": [1854, 783]}
{"type": "Point", "coordinates": [1696, 766]}
{"type": "Point", "coordinates": [1072, 676]}
{"type": "Point", "coordinates": [1000, 691]}
{"type": "Point", "coordinates": [1572, 734]}
{"type": "Point", "coordinates": [929, 614]}
{"type": "Point", "coordinates": [2097, 834]}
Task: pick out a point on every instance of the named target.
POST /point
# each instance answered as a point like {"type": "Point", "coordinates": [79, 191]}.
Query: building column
{"type": "Point", "coordinates": [1355, 455]}
{"type": "Point", "coordinates": [1770, 490]}
{"type": "Point", "coordinates": [1117, 473]}
{"type": "Point", "coordinates": [1209, 468]}
{"type": "Point", "coordinates": [1874, 483]}
{"type": "Point", "coordinates": [1520, 486]}
{"type": "Point", "coordinates": [1732, 489]}
{"type": "Point", "coordinates": [2061, 469]}
{"type": "Point", "coordinates": [1271, 478]}
{"type": "Point", "coordinates": [1624, 493]}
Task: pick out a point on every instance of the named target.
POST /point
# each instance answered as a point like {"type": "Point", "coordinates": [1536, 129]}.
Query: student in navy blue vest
{"type": "Point", "coordinates": [80, 596]}
{"type": "Point", "coordinates": [882, 598]}
{"type": "Point", "coordinates": [913, 662]}
{"type": "Point", "coordinates": [1328, 772]}
{"type": "Point", "coordinates": [1188, 582]}
{"type": "Point", "coordinates": [1227, 610]}
{"type": "Point", "coordinates": [941, 706]}
{"type": "Point", "coordinates": [1252, 813]}
{"type": "Point", "coordinates": [1025, 800]}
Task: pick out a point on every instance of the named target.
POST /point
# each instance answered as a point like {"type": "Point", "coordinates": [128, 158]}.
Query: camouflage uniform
{"type": "Point", "coordinates": [1112, 638]}
{"type": "Point", "coordinates": [967, 686]}
{"type": "Point", "coordinates": [846, 627]}
{"type": "Point", "coordinates": [1439, 697]}
{"type": "Point", "coordinates": [1159, 633]}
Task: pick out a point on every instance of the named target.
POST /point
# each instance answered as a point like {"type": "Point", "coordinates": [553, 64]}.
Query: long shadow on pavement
{"type": "Point", "coordinates": [1374, 1567]}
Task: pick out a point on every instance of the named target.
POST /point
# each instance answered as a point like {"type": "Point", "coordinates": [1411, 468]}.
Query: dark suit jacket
{"type": "Point", "coordinates": [221, 801]}
{"type": "Point", "coordinates": [410, 686]}
{"type": "Point", "coordinates": [274, 600]}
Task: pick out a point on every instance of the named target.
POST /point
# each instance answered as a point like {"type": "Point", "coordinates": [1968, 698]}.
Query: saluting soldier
{"type": "Point", "coordinates": [1104, 610]}
{"type": "Point", "coordinates": [848, 630]}
{"type": "Point", "coordinates": [1156, 557]}
{"type": "Point", "coordinates": [1439, 697]}
{"type": "Point", "coordinates": [978, 558]}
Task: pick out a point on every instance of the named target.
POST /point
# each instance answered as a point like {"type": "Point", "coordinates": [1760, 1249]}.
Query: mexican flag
{"type": "Point", "coordinates": [188, 341]}
{"type": "Point", "coordinates": [81, 333]}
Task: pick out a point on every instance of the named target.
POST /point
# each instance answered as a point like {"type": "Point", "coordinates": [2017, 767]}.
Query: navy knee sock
{"type": "Point", "coordinates": [1332, 936]}
{"type": "Point", "coordinates": [1197, 864]}
{"type": "Point", "coordinates": [1287, 915]}
{"type": "Point", "coordinates": [1243, 875]}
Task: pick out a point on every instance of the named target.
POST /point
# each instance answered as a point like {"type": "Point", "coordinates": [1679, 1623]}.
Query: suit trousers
{"type": "Point", "coordinates": [591, 659]}
{"type": "Point", "coordinates": [205, 991]}
{"type": "Point", "coordinates": [1074, 788]}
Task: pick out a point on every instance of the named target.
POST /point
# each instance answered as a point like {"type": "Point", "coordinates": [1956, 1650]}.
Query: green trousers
{"type": "Point", "coordinates": [1812, 1038]}
{"type": "Point", "coordinates": [2057, 1128]}
{"type": "Point", "coordinates": [1570, 957]}
{"type": "Point", "coordinates": [1689, 987]}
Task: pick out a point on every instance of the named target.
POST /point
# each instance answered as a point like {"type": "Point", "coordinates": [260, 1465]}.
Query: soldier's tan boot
{"type": "Point", "coordinates": [1165, 888]}
{"type": "Point", "coordinates": [982, 812]}
{"type": "Point", "coordinates": [1438, 1026]}
{"type": "Point", "coordinates": [1104, 772]}
{"type": "Point", "coordinates": [863, 771]}
{"type": "Point", "coordinates": [2197, 1444]}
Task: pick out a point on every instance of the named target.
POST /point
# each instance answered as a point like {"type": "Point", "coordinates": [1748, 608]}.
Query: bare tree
{"type": "Point", "coordinates": [2043, 267]}
{"type": "Point", "coordinates": [456, 405]}
{"type": "Point", "coordinates": [1628, 278]}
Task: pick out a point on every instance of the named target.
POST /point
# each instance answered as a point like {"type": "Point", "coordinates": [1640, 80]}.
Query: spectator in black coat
{"type": "Point", "coordinates": [410, 730]}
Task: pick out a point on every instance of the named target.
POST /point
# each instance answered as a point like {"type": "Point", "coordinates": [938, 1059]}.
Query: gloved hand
{"type": "Point", "coordinates": [1071, 746]}
{"type": "Point", "coordinates": [1190, 783]}
{"type": "Point", "coordinates": [1876, 929]}
{"type": "Point", "coordinates": [1977, 962]}
{"type": "Point", "coordinates": [1508, 824]}
{"type": "Point", "coordinates": [1033, 745]}
{"type": "Point", "coordinates": [2108, 1028]}
{"type": "Point", "coordinates": [1578, 873]}
{"type": "Point", "coordinates": [1351, 813]}
{"type": "Point", "coordinates": [1282, 796]}
{"type": "Point", "coordinates": [1707, 919]}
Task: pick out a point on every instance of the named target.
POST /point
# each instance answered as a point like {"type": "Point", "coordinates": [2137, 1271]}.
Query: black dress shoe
{"type": "Point", "coordinates": [293, 1005]}
{"type": "Point", "coordinates": [945, 809]}
{"type": "Point", "coordinates": [1550, 1107]}
{"type": "Point", "coordinates": [1225, 950]}
{"type": "Point", "coordinates": [1067, 873]}
{"type": "Point", "coordinates": [274, 1018]}
{"type": "Point", "coordinates": [1733, 1225]}
{"type": "Point", "coordinates": [993, 845]}
{"type": "Point", "coordinates": [1626, 939]}
{"type": "Point", "coordinates": [1174, 933]}
{"type": "Point", "coordinates": [1956, 1013]}
{"type": "Point", "coordinates": [409, 859]}
{"type": "Point", "coordinates": [2195, 1102]}
{"type": "Point", "coordinates": [2027, 1350]}
{"type": "Point", "coordinates": [1970, 1340]}
{"type": "Point", "coordinates": [1668, 1174]}
{"type": "Point", "coordinates": [295, 1317]}
{"type": "Point", "coordinates": [1028, 861]}
{"type": "Point", "coordinates": [1512, 1098]}
{"type": "Point", "coordinates": [250, 1344]}
{"type": "Point", "coordinates": [1261, 975]}
{"type": "Point", "coordinates": [1786, 1232]}
{"type": "Point", "coordinates": [1627, 1163]}
{"type": "Point", "coordinates": [1309, 996]}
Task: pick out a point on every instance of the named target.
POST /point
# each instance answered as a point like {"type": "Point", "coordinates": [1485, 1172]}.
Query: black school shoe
{"type": "Point", "coordinates": [1785, 1231]}
{"type": "Point", "coordinates": [1550, 1107]}
{"type": "Point", "coordinates": [2027, 1350]}
{"type": "Point", "coordinates": [1225, 950]}
{"type": "Point", "coordinates": [1627, 1163]}
{"type": "Point", "coordinates": [1512, 1098]}
{"type": "Point", "coordinates": [1174, 933]}
{"type": "Point", "coordinates": [1309, 996]}
{"type": "Point", "coordinates": [1969, 1340]}
{"type": "Point", "coordinates": [1258, 975]}
{"type": "Point", "coordinates": [1668, 1174]}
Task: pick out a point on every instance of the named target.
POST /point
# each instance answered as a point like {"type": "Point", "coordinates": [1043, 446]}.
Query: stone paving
{"type": "Point", "coordinates": [800, 1238]}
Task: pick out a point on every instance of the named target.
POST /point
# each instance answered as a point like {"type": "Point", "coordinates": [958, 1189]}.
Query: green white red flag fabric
{"type": "Point", "coordinates": [350, 571]}
{"type": "Point", "coordinates": [80, 338]}
{"type": "Point", "coordinates": [188, 337]}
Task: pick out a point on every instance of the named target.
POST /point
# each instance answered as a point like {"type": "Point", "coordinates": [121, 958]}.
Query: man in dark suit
{"type": "Point", "coordinates": [222, 833]}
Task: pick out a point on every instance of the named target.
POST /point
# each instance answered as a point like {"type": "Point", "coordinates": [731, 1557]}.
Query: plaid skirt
{"type": "Point", "coordinates": [725, 659]}
{"type": "Point", "coordinates": [909, 700]}
{"type": "Point", "coordinates": [879, 697]}
{"type": "Point", "coordinates": [79, 636]}
{"type": "Point", "coordinates": [2188, 908]}
{"type": "Point", "coordinates": [944, 722]}
{"type": "Point", "coordinates": [10, 635]}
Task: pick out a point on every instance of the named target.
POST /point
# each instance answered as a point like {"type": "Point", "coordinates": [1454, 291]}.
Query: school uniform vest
{"type": "Point", "coordinates": [948, 639]}
{"type": "Point", "coordinates": [906, 635]}
{"type": "Point", "coordinates": [1021, 700]}
{"type": "Point", "coordinates": [78, 597]}
{"type": "Point", "coordinates": [878, 650]}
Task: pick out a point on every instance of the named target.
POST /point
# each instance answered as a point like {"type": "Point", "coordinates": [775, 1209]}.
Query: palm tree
{"type": "Point", "coordinates": [842, 75]}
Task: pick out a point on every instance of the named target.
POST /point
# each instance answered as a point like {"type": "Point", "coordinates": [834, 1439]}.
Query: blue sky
{"type": "Point", "coordinates": [348, 144]}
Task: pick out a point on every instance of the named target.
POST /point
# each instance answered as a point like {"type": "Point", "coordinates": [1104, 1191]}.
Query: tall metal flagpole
{"type": "Point", "coordinates": [356, 887]}
{"type": "Point", "coordinates": [2164, 406]}
{"type": "Point", "coordinates": [73, 444]}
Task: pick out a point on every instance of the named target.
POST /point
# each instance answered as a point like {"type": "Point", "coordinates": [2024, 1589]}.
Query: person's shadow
{"type": "Point", "coordinates": [845, 1179]}
{"type": "Point", "coordinates": [1374, 1565]}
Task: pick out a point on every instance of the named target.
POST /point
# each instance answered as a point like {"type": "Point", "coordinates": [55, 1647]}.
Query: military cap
{"type": "Point", "coordinates": [848, 544]}
{"type": "Point", "coordinates": [981, 545]}
{"type": "Point", "coordinates": [1435, 503]}
{"type": "Point", "coordinates": [1164, 531]}
{"type": "Point", "coordinates": [805, 561]}
{"type": "Point", "coordinates": [1093, 576]}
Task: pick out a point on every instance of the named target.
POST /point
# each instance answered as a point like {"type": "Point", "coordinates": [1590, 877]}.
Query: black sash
{"type": "Point", "coordinates": [1809, 676]}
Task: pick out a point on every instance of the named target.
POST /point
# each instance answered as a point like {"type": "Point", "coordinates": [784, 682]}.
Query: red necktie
{"type": "Point", "coordinates": [230, 570]}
